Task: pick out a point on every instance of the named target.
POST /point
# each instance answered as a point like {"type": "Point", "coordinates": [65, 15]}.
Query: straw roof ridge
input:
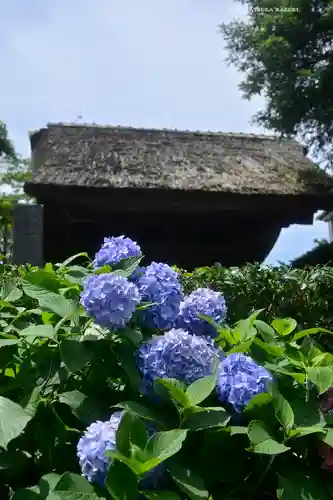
{"type": "Point", "coordinates": [128, 157]}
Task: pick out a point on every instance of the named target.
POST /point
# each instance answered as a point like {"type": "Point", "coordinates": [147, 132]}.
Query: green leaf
{"type": "Point", "coordinates": [84, 408]}
{"type": "Point", "coordinates": [283, 410]}
{"type": "Point", "coordinates": [190, 483]}
{"type": "Point", "coordinates": [205, 419]}
{"type": "Point", "coordinates": [176, 389]}
{"type": "Point", "coordinates": [262, 440]}
{"type": "Point", "coordinates": [71, 259]}
{"type": "Point", "coordinates": [26, 494]}
{"type": "Point", "coordinates": [10, 292]}
{"type": "Point", "coordinates": [38, 283]}
{"type": "Point", "coordinates": [245, 329]}
{"type": "Point", "coordinates": [299, 377]}
{"type": "Point", "coordinates": [121, 482]}
{"type": "Point", "coordinates": [7, 342]}
{"type": "Point", "coordinates": [322, 377]}
{"type": "Point", "coordinates": [46, 331]}
{"type": "Point", "coordinates": [201, 389]}
{"type": "Point", "coordinates": [76, 354]}
{"type": "Point", "coordinates": [310, 331]}
{"type": "Point", "coordinates": [47, 483]}
{"type": "Point", "coordinates": [284, 326]}
{"type": "Point", "coordinates": [243, 346]}
{"type": "Point", "coordinates": [266, 332]}
{"type": "Point", "coordinates": [162, 446]}
{"type": "Point", "coordinates": [73, 482]}
{"type": "Point", "coordinates": [270, 447]}
{"type": "Point", "coordinates": [257, 432]}
{"type": "Point", "coordinates": [73, 487]}
{"type": "Point", "coordinates": [128, 364]}
{"type": "Point", "coordinates": [299, 485]}
{"type": "Point", "coordinates": [123, 435]}
{"type": "Point", "coordinates": [258, 400]}
{"type": "Point", "coordinates": [140, 410]}
{"type": "Point", "coordinates": [126, 267]}
{"type": "Point", "coordinates": [273, 349]}
{"type": "Point", "coordinates": [57, 304]}
{"type": "Point", "coordinates": [329, 437]}
{"type": "Point", "coordinates": [13, 420]}
{"type": "Point", "coordinates": [305, 431]}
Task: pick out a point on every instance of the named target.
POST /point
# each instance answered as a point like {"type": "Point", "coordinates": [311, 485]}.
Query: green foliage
{"type": "Point", "coordinates": [14, 172]}
{"type": "Point", "coordinates": [305, 294]}
{"type": "Point", "coordinates": [59, 372]}
{"type": "Point", "coordinates": [6, 147]}
{"type": "Point", "coordinates": [284, 50]}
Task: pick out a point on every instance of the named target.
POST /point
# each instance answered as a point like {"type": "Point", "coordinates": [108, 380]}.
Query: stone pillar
{"type": "Point", "coordinates": [28, 235]}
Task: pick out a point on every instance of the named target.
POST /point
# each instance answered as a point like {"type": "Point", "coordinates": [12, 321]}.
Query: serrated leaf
{"type": "Point", "coordinates": [201, 389]}
{"type": "Point", "coordinates": [176, 389]}
{"type": "Point", "coordinates": [13, 420]}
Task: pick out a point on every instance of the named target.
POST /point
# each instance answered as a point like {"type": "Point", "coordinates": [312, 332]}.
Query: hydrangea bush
{"type": "Point", "coordinates": [117, 384]}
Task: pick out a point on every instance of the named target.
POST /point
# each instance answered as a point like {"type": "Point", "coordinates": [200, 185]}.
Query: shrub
{"type": "Point", "coordinates": [128, 412]}
{"type": "Point", "coordinates": [282, 291]}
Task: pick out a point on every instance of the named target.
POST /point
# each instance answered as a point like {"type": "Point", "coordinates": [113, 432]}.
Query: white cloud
{"type": "Point", "coordinates": [148, 63]}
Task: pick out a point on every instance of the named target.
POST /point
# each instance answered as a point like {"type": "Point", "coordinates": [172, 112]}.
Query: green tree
{"type": "Point", "coordinates": [6, 147]}
{"type": "Point", "coordinates": [285, 50]}
{"type": "Point", "coordinates": [14, 171]}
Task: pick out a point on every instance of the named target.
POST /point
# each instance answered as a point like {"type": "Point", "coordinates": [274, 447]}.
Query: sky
{"type": "Point", "coordinates": [147, 63]}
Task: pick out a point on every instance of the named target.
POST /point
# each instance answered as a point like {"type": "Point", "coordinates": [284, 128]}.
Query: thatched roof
{"type": "Point", "coordinates": [121, 157]}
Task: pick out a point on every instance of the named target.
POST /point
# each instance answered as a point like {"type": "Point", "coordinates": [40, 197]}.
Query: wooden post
{"type": "Point", "coordinates": [28, 235]}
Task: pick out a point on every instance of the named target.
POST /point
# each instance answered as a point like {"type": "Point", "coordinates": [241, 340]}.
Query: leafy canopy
{"type": "Point", "coordinates": [285, 51]}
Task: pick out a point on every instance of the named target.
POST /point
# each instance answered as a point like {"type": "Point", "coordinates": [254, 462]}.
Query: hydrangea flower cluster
{"type": "Point", "coordinates": [202, 301]}
{"type": "Point", "coordinates": [110, 299]}
{"type": "Point", "coordinates": [98, 438]}
{"type": "Point", "coordinates": [114, 250]}
{"type": "Point", "coordinates": [239, 379]}
{"type": "Point", "coordinates": [177, 354]}
{"type": "Point", "coordinates": [158, 283]}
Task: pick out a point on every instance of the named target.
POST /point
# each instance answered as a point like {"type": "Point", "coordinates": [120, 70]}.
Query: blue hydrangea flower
{"type": "Point", "coordinates": [98, 438]}
{"type": "Point", "coordinates": [110, 299]}
{"type": "Point", "coordinates": [159, 284]}
{"type": "Point", "coordinates": [201, 301]}
{"type": "Point", "coordinates": [177, 354]}
{"type": "Point", "coordinates": [239, 379]}
{"type": "Point", "coordinates": [114, 250]}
